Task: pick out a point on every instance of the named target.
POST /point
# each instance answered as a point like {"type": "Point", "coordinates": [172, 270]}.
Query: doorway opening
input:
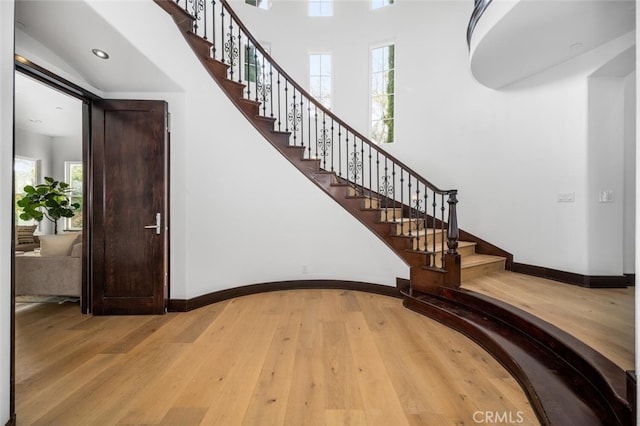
{"type": "Point", "coordinates": [51, 124]}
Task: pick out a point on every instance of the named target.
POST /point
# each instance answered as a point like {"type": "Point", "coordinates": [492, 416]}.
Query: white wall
{"type": "Point", "coordinates": [36, 146]}
{"type": "Point", "coordinates": [509, 152]}
{"type": "Point", "coordinates": [241, 214]}
{"type": "Point", "coordinates": [64, 148]}
{"type": "Point", "coordinates": [6, 176]}
{"type": "Point", "coordinates": [605, 156]}
{"type": "Point", "coordinates": [630, 167]}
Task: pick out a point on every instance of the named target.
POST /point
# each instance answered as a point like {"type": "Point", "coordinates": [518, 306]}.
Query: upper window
{"type": "Point", "coordinates": [320, 7]}
{"type": "Point", "coordinates": [73, 176]}
{"type": "Point", "coordinates": [377, 4]}
{"type": "Point", "coordinates": [320, 78]}
{"type": "Point", "coordinates": [382, 93]}
{"type": "Point", "coordinates": [26, 171]}
{"type": "Point", "coordinates": [262, 4]}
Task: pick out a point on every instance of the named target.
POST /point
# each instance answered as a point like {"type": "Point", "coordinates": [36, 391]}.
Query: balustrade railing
{"type": "Point", "coordinates": [419, 208]}
{"type": "Point", "coordinates": [479, 7]}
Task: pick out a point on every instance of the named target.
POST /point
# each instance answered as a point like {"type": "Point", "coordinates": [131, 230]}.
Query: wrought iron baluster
{"type": "Point", "coordinates": [247, 74]}
{"type": "Point", "coordinates": [346, 144]}
{"type": "Point", "coordinates": [271, 85]}
{"type": "Point", "coordinates": [316, 131]}
{"type": "Point", "coordinates": [279, 106]}
{"type": "Point", "coordinates": [370, 171]}
{"type": "Point", "coordinates": [323, 136]}
{"type": "Point", "coordinates": [362, 165]}
{"type": "Point", "coordinates": [255, 71]}
{"type": "Point", "coordinates": [386, 191]}
{"type": "Point", "coordinates": [213, 26]}
{"type": "Point", "coordinates": [424, 223]}
{"type": "Point", "coordinates": [377, 176]}
{"type": "Point", "coordinates": [442, 222]}
{"type": "Point", "coordinates": [308, 153]}
{"type": "Point", "coordinates": [355, 148]}
{"type": "Point", "coordinates": [229, 48]}
{"type": "Point", "coordinates": [302, 142]}
{"type": "Point", "coordinates": [204, 13]}
{"type": "Point", "coordinates": [402, 200]}
{"type": "Point", "coordinates": [434, 225]}
{"type": "Point", "coordinates": [222, 33]}
{"type": "Point", "coordinates": [410, 206]}
{"type": "Point", "coordinates": [286, 104]}
{"type": "Point", "coordinates": [239, 50]}
{"type": "Point", "coordinates": [340, 150]}
{"type": "Point", "coordinates": [393, 175]}
{"type": "Point", "coordinates": [332, 144]}
{"type": "Point", "coordinates": [294, 117]}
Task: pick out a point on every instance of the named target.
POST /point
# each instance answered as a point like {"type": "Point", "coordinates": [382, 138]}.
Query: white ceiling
{"type": "Point", "coordinates": [43, 110]}
{"type": "Point", "coordinates": [534, 35]}
{"type": "Point", "coordinates": [68, 30]}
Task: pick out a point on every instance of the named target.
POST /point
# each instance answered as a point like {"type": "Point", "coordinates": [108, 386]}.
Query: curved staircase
{"type": "Point", "coordinates": [403, 209]}
{"type": "Point", "coordinates": [566, 383]}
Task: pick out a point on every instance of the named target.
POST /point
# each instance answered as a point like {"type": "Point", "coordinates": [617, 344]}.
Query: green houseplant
{"type": "Point", "coordinates": [48, 200]}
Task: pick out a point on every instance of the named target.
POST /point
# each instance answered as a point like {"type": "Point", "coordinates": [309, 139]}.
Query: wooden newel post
{"type": "Point", "coordinates": [452, 259]}
{"type": "Point", "coordinates": [452, 228]}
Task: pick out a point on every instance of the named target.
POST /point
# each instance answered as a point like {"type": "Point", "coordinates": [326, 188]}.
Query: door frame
{"type": "Point", "coordinates": [56, 82]}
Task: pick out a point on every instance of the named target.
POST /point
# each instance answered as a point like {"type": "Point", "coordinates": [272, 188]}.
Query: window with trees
{"type": "Point", "coordinates": [382, 93]}
{"type": "Point", "coordinates": [27, 172]}
{"type": "Point", "coordinates": [73, 176]}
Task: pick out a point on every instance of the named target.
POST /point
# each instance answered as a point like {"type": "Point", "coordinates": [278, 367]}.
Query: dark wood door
{"type": "Point", "coordinates": [129, 207]}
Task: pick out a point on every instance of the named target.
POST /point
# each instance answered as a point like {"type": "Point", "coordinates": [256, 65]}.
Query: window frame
{"type": "Point", "coordinates": [371, 90]}
{"type": "Point", "coordinates": [68, 221]}
{"type": "Point", "coordinates": [320, 76]}
{"type": "Point", "coordinates": [321, 5]}
{"type": "Point", "coordinates": [36, 179]}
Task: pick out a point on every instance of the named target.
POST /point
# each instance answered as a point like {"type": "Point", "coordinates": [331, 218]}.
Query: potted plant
{"type": "Point", "coordinates": [48, 200]}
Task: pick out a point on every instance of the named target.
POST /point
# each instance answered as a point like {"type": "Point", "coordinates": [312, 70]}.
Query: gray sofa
{"type": "Point", "coordinates": [49, 275]}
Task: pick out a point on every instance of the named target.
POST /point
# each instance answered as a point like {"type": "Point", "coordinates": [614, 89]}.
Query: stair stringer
{"type": "Point", "coordinates": [425, 278]}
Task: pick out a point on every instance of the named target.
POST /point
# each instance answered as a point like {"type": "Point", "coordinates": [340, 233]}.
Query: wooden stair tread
{"type": "Point", "coordinates": [480, 259]}
{"type": "Point", "coordinates": [438, 247]}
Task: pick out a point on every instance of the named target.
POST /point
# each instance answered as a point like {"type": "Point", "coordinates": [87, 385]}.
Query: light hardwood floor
{"type": "Point", "coordinates": [299, 357]}
{"type": "Point", "coordinates": [602, 318]}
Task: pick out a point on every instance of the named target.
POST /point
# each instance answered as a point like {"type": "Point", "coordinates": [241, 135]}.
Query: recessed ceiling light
{"type": "Point", "coordinates": [100, 53]}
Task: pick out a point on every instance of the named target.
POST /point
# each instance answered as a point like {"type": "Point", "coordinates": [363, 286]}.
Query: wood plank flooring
{"type": "Point", "coordinates": [326, 357]}
{"type": "Point", "coordinates": [601, 318]}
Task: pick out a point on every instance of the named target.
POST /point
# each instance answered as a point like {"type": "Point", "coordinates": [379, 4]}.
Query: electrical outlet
{"type": "Point", "coordinates": [566, 197]}
{"type": "Point", "coordinates": [605, 196]}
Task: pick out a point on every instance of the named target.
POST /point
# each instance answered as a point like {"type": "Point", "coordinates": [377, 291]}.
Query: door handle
{"type": "Point", "coordinates": [158, 224]}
